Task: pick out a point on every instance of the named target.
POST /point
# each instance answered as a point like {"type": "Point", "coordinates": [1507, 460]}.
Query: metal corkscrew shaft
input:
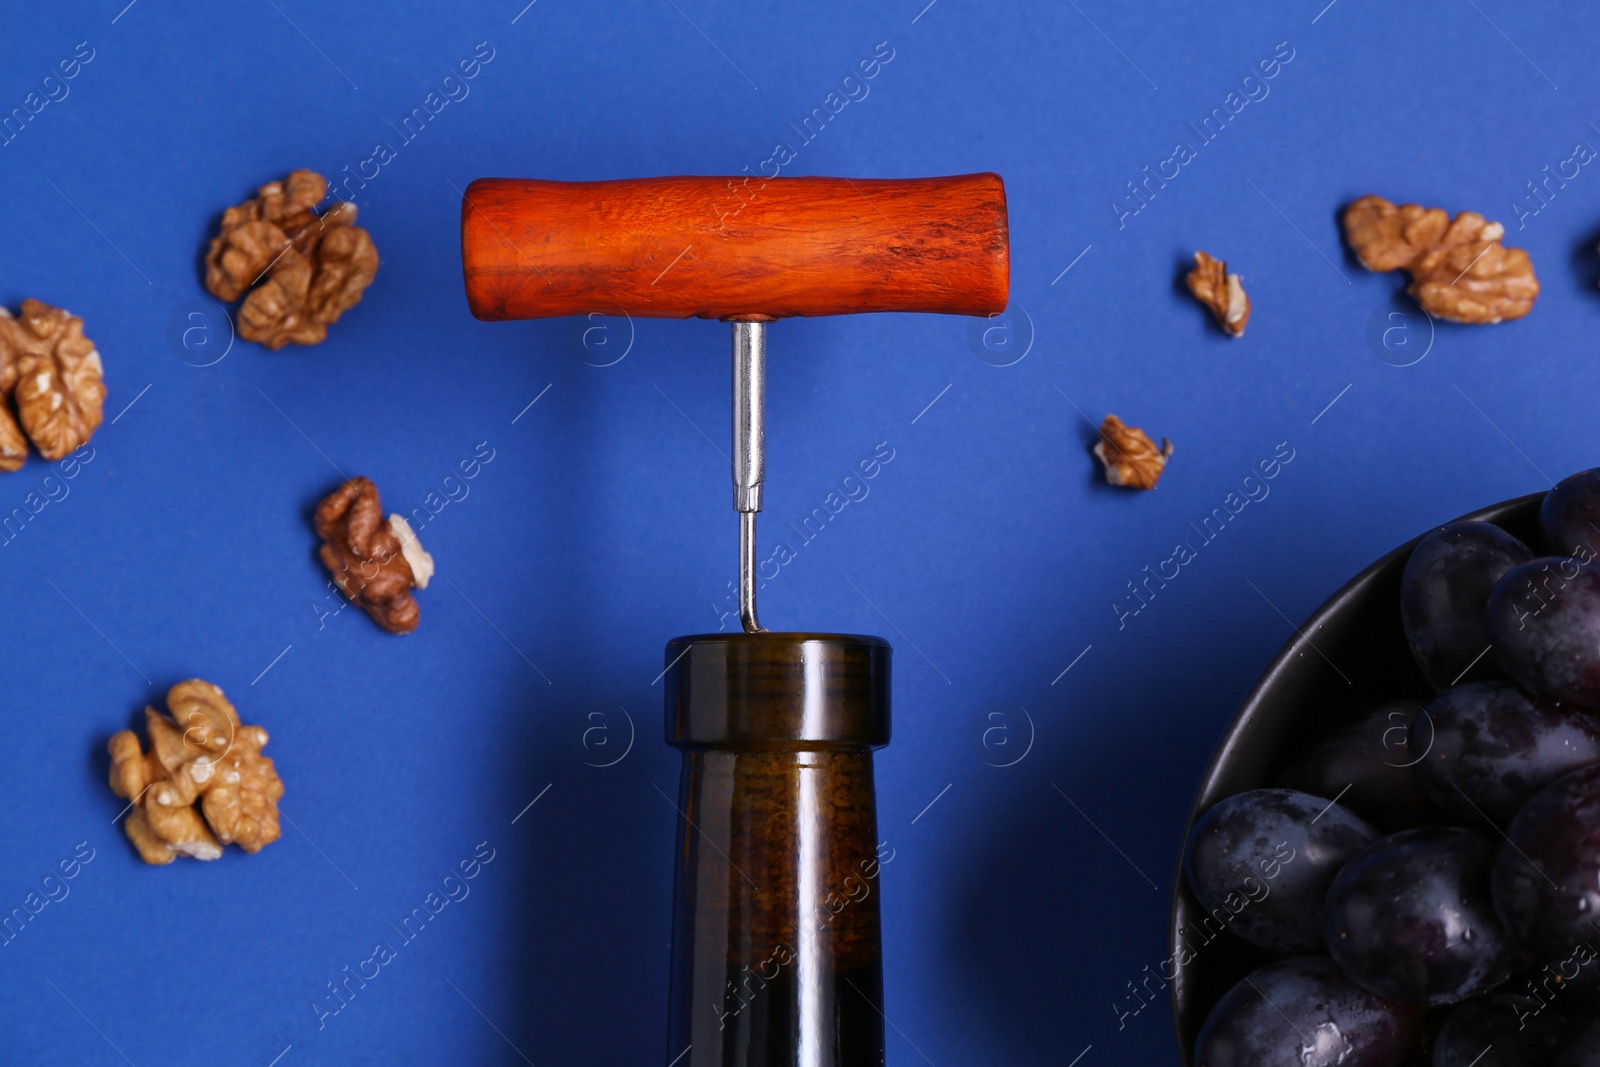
{"type": "Point", "coordinates": [749, 454]}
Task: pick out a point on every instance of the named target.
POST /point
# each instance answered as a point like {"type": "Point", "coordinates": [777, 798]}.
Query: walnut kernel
{"type": "Point", "coordinates": [1220, 291]}
{"type": "Point", "coordinates": [202, 753]}
{"type": "Point", "coordinates": [374, 563]}
{"type": "Point", "coordinates": [1131, 459]}
{"type": "Point", "coordinates": [54, 374]}
{"type": "Point", "coordinates": [301, 270]}
{"type": "Point", "coordinates": [1459, 269]}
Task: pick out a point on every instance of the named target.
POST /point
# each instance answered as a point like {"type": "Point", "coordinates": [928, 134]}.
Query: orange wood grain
{"type": "Point", "coordinates": [732, 248]}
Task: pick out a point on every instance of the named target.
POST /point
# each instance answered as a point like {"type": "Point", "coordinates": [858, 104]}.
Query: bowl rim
{"type": "Point", "coordinates": [1252, 708]}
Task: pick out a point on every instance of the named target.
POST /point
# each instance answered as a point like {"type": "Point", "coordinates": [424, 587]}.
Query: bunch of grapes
{"type": "Point", "coordinates": [1447, 901]}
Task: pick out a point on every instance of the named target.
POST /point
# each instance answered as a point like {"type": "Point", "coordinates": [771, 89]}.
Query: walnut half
{"type": "Point", "coordinates": [1220, 291]}
{"type": "Point", "coordinates": [1131, 459]}
{"type": "Point", "coordinates": [301, 270]}
{"type": "Point", "coordinates": [1459, 269]}
{"type": "Point", "coordinates": [201, 753]}
{"type": "Point", "coordinates": [374, 563]}
{"type": "Point", "coordinates": [53, 373]}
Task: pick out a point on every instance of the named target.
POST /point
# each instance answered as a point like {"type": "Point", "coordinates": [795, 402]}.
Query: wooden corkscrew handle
{"type": "Point", "coordinates": [735, 248]}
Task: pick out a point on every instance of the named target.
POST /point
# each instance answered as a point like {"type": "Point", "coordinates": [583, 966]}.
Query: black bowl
{"type": "Point", "coordinates": [1349, 655]}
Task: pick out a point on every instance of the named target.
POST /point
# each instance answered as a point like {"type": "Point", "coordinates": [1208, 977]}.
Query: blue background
{"type": "Point", "coordinates": [1024, 899]}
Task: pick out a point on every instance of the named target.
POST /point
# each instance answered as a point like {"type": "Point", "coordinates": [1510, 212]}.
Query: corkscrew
{"type": "Point", "coordinates": [776, 946]}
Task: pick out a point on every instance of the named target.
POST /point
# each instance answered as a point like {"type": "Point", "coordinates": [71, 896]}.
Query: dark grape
{"type": "Point", "coordinates": [1493, 747]}
{"type": "Point", "coordinates": [1570, 516]}
{"type": "Point", "coordinates": [1501, 1031]}
{"type": "Point", "coordinates": [1370, 761]}
{"type": "Point", "coordinates": [1446, 583]}
{"type": "Point", "coordinates": [1571, 981]}
{"type": "Point", "coordinates": [1410, 918]}
{"type": "Point", "coordinates": [1260, 862]}
{"type": "Point", "coordinates": [1547, 876]}
{"type": "Point", "coordinates": [1544, 620]}
{"type": "Point", "coordinates": [1582, 988]}
{"type": "Point", "coordinates": [1580, 1047]}
{"type": "Point", "coordinates": [1303, 1011]}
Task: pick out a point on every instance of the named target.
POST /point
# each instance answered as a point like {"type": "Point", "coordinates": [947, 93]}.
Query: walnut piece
{"type": "Point", "coordinates": [53, 373]}
{"type": "Point", "coordinates": [1459, 270]}
{"type": "Point", "coordinates": [374, 563]}
{"type": "Point", "coordinates": [301, 270]}
{"type": "Point", "coordinates": [1220, 291]}
{"type": "Point", "coordinates": [201, 753]}
{"type": "Point", "coordinates": [1131, 459]}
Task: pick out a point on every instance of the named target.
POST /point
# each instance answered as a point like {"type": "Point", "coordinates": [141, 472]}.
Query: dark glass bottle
{"type": "Point", "coordinates": [776, 944]}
